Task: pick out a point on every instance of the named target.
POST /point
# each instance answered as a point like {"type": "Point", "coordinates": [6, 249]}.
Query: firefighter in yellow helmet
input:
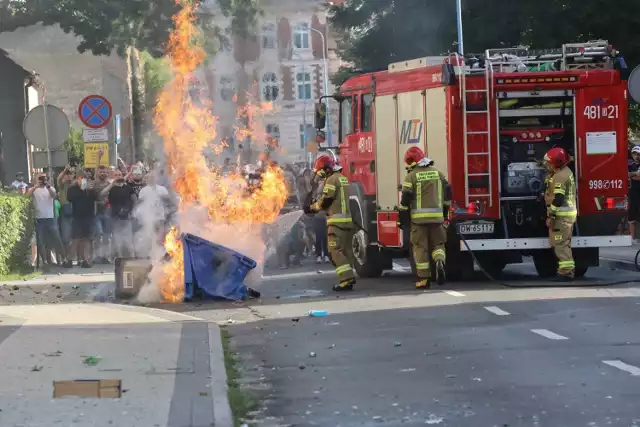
{"type": "Point", "coordinates": [335, 202]}
{"type": "Point", "coordinates": [425, 202]}
{"type": "Point", "coordinates": [560, 199]}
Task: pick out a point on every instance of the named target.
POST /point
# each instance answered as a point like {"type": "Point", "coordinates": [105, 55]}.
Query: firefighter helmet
{"type": "Point", "coordinates": [324, 163]}
{"type": "Point", "coordinates": [413, 156]}
{"type": "Point", "coordinates": [557, 157]}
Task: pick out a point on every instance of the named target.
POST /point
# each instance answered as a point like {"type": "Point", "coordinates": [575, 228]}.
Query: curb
{"type": "Point", "coordinates": [219, 387]}
{"type": "Point", "coordinates": [616, 264]}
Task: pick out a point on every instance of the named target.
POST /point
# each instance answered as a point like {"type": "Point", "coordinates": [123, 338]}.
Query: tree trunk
{"type": "Point", "coordinates": [139, 103]}
{"type": "Point", "coordinates": [130, 85]}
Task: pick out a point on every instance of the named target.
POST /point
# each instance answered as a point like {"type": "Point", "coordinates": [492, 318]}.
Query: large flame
{"type": "Point", "coordinates": [187, 128]}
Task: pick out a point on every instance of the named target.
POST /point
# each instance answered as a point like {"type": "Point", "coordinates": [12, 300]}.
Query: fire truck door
{"type": "Point", "coordinates": [411, 127]}
{"type": "Point", "coordinates": [385, 142]}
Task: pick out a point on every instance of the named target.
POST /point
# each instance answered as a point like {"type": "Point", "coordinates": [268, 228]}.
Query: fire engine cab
{"type": "Point", "coordinates": [487, 121]}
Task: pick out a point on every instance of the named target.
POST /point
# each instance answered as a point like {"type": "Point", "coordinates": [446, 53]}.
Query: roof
{"type": "Point", "coordinates": [31, 77]}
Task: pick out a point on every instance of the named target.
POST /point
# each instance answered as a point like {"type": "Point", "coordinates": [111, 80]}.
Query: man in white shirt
{"type": "Point", "coordinates": [47, 233]}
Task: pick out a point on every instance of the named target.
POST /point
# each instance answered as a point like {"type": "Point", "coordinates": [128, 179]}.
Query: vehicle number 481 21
{"type": "Point", "coordinates": [605, 184]}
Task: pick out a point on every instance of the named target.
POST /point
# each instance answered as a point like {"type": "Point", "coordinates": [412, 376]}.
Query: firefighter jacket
{"type": "Point", "coordinates": [335, 201]}
{"type": "Point", "coordinates": [560, 194]}
{"type": "Point", "coordinates": [423, 191]}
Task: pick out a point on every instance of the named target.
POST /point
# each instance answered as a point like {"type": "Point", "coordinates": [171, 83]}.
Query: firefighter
{"type": "Point", "coordinates": [334, 201]}
{"type": "Point", "coordinates": [424, 202]}
{"type": "Point", "coordinates": [560, 200]}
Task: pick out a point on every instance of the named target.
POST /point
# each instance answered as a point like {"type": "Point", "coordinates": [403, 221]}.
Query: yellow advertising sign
{"type": "Point", "coordinates": [91, 150]}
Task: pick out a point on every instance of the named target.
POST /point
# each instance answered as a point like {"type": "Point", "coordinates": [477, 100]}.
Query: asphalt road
{"type": "Point", "coordinates": [471, 354]}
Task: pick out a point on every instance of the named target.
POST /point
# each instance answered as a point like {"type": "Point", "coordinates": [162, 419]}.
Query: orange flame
{"type": "Point", "coordinates": [187, 129]}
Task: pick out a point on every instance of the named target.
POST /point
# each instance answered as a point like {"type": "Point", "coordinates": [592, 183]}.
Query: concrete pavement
{"type": "Point", "coordinates": [171, 366]}
{"type": "Point", "coordinates": [470, 354]}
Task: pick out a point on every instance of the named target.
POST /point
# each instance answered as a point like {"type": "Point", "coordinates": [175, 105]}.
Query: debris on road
{"type": "Point", "coordinates": [36, 368]}
{"type": "Point", "coordinates": [54, 354]}
{"type": "Point", "coordinates": [398, 344]}
{"type": "Point", "coordinates": [92, 360]}
{"type": "Point", "coordinates": [318, 313]}
{"type": "Point", "coordinates": [312, 354]}
{"type": "Point", "coordinates": [88, 388]}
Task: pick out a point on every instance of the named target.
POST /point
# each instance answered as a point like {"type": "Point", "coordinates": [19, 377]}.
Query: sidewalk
{"type": "Point", "coordinates": [619, 258]}
{"type": "Point", "coordinates": [171, 366]}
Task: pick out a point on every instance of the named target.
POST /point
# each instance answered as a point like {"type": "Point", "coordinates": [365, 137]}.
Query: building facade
{"type": "Point", "coordinates": [285, 69]}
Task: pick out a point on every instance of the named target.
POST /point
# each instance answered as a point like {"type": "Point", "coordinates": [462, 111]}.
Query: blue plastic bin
{"type": "Point", "coordinates": [212, 271]}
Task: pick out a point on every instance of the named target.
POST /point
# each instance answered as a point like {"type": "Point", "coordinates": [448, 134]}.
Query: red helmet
{"type": "Point", "coordinates": [413, 156]}
{"type": "Point", "coordinates": [324, 162]}
{"type": "Point", "coordinates": [556, 157]}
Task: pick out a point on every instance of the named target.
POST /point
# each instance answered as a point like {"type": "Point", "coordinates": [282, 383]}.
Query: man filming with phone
{"type": "Point", "coordinates": [47, 234]}
{"type": "Point", "coordinates": [121, 197]}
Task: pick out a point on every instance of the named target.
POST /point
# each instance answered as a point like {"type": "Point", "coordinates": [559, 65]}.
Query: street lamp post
{"type": "Point", "coordinates": [459, 19]}
{"type": "Point", "coordinates": [326, 81]}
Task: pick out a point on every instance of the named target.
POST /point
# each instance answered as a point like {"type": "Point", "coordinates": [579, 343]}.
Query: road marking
{"type": "Point", "coordinates": [633, 370]}
{"type": "Point", "coordinates": [454, 293]}
{"type": "Point", "coordinates": [497, 311]}
{"type": "Point", "coordinates": [398, 267]}
{"type": "Point", "coordinates": [548, 334]}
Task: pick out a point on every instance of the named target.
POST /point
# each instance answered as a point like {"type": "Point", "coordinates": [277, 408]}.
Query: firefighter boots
{"type": "Point", "coordinates": [423, 284]}
{"type": "Point", "coordinates": [440, 273]}
{"type": "Point", "coordinates": [345, 285]}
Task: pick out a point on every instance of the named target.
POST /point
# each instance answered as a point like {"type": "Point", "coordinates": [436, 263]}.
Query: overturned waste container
{"type": "Point", "coordinates": [214, 272]}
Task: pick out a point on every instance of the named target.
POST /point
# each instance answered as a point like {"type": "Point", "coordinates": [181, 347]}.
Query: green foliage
{"type": "Point", "coordinates": [156, 70]}
{"type": "Point", "coordinates": [16, 230]}
{"type": "Point", "coordinates": [75, 145]}
{"type": "Point", "coordinates": [376, 33]}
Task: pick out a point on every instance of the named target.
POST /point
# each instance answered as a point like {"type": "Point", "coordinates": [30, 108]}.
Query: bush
{"type": "Point", "coordinates": [16, 230]}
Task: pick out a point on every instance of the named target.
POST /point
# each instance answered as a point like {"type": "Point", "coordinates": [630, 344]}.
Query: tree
{"type": "Point", "coordinates": [74, 145]}
{"type": "Point", "coordinates": [376, 33]}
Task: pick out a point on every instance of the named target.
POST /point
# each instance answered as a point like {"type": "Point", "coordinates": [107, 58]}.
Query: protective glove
{"type": "Point", "coordinates": [403, 218]}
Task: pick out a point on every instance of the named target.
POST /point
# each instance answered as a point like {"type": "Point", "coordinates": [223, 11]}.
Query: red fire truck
{"type": "Point", "coordinates": [487, 121]}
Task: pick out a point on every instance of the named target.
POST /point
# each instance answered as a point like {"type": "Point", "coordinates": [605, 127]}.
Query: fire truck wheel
{"type": "Point", "coordinates": [493, 267]}
{"type": "Point", "coordinates": [546, 264]}
{"type": "Point", "coordinates": [365, 259]}
{"type": "Point", "coordinates": [581, 271]}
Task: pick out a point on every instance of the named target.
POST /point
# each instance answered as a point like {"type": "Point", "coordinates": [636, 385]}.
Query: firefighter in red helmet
{"type": "Point", "coordinates": [560, 199]}
{"type": "Point", "coordinates": [335, 202]}
{"type": "Point", "coordinates": [425, 205]}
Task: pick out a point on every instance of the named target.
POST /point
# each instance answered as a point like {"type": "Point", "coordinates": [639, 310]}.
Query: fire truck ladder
{"type": "Point", "coordinates": [478, 133]}
{"type": "Point", "coordinates": [596, 54]}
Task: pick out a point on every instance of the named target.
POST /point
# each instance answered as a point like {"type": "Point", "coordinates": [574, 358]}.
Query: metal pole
{"type": "Point", "coordinates": [46, 139]}
{"type": "Point", "coordinates": [326, 82]}
{"type": "Point", "coordinates": [460, 36]}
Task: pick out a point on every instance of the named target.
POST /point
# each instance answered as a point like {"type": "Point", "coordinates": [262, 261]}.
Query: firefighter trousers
{"type": "Point", "coordinates": [560, 234]}
{"type": "Point", "coordinates": [427, 242]}
{"type": "Point", "coordinates": [338, 241]}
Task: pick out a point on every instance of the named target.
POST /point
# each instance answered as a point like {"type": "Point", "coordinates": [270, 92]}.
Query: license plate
{"type": "Point", "coordinates": [476, 228]}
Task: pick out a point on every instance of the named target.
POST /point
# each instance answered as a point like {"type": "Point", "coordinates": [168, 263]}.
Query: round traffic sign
{"type": "Point", "coordinates": [36, 133]}
{"type": "Point", "coordinates": [95, 111]}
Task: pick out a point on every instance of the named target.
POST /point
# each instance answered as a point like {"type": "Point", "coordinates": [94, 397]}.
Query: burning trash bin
{"type": "Point", "coordinates": [214, 272]}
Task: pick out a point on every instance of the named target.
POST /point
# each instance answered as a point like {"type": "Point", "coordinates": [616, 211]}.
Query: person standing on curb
{"type": "Point", "coordinates": [121, 197]}
{"type": "Point", "coordinates": [83, 199]}
{"type": "Point", "coordinates": [47, 234]}
{"type": "Point", "coordinates": [103, 221]}
{"type": "Point", "coordinates": [64, 181]}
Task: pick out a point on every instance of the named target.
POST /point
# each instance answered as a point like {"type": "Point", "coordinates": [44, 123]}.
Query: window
{"type": "Point", "coordinates": [346, 118]}
{"type": "Point", "coordinates": [366, 114]}
{"type": "Point", "coordinates": [269, 36]}
{"type": "Point", "coordinates": [303, 81]}
{"type": "Point", "coordinates": [301, 36]}
{"type": "Point", "coordinates": [306, 132]}
{"type": "Point", "coordinates": [273, 131]}
{"type": "Point", "coordinates": [227, 88]}
{"type": "Point", "coordinates": [270, 88]}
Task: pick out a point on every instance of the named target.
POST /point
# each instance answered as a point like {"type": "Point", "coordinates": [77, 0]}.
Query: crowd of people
{"type": "Point", "coordinates": [96, 215]}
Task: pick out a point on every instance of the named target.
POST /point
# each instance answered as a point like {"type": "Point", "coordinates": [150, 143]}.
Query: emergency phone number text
{"type": "Point", "coordinates": [605, 184]}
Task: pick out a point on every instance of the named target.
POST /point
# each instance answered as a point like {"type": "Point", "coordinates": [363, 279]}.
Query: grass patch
{"type": "Point", "coordinates": [242, 403]}
{"type": "Point", "coordinates": [19, 276]}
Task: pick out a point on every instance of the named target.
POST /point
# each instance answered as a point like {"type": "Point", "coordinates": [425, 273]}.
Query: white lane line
{"type": "Point", "coordinates": [633, 370]}
{"type": "Point", "coordinates": [548, 334]}
{"type": "Point", "coordinates": [497, 311]}
{"type": "Point", "coordinates": [398, 267]}
{"type": "Point", "coordinates": [454, 293]}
